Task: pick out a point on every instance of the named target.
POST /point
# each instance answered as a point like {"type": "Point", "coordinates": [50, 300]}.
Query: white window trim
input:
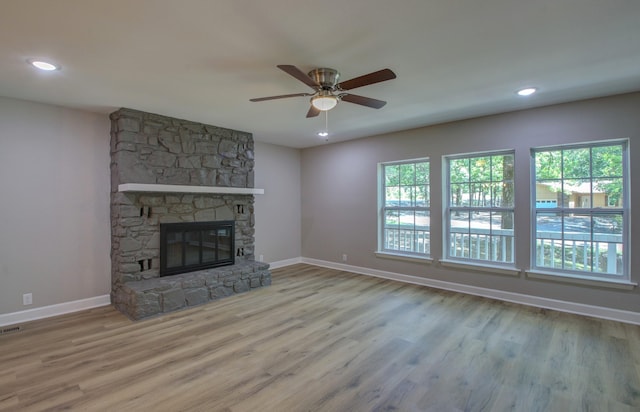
{"type": "Point", "coordinates": [462, 262]}
{"type": "Point", "coordinates": [420, 258]}
{"type": "Point", "coordinates": [481, 267]}
{"type": "Point", "coordinates": [381, 252]}
{"type": "Point", "coordinates": [580, 280]}
{"type": "Point", "coordinates": [575, 277]}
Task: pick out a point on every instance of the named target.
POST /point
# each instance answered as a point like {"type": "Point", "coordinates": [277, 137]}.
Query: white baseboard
{"type": "Point", "coordinates": [53, 310]}
{"type": "Point", "coordinates": [563, 306]}
{"type": "Point", "coordinates": [283, 263]}
{"type": "Point", "coordinates": [559, 305]}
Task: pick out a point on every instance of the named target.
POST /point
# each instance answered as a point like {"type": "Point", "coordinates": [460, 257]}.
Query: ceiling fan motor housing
{"type": "Point", "coordinates": [326, 78]}
{"type": "Point", "coordinates": [328, 91]}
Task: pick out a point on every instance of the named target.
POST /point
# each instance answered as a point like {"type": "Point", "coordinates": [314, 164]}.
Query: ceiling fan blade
{"type": "Point", "coordinates": [361, 100]}
{"type": "Point", "coordinates": [367, 79]}
{"type": "Point", "coordinates": [313, 112]}
{"type": "Point", "coordinates": [298, 74]}
{"type": "Point", "coordinates": [282, 96]}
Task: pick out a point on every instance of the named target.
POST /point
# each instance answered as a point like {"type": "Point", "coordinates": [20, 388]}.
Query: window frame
{"type": "Point", "coordinates": [383, 251]}
{"type": "Point", "coordinates": [448, 256]}
{"type": "Point", "coordinates": [551, 272]}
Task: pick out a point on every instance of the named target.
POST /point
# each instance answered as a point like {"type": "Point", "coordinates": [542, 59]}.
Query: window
{"type": "Point", "coordinates": [479, 209]}
{"type": "Point", "coordinates": [581, 227]}
{"type": "Point", "coordinates": [404, 215]}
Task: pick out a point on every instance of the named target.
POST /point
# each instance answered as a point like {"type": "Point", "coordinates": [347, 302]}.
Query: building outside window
{"type": "Point", "coordinates": [404, 212]}
{"type": "Point", "coordinates": [479, 208]}
{"type": "Point", "coordinates": [579, 204]}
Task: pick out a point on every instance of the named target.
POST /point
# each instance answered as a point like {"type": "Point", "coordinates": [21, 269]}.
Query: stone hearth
{"type": "Point", "coordinates": [164, 152]}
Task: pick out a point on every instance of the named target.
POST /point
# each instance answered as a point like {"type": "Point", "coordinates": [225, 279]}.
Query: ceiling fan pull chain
{"type": "Point", "coordinates": [326, 125]}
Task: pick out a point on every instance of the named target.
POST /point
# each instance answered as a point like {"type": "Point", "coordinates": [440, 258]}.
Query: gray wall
{"type": "Point", "coordinates": [54, 180]}
{"type": "Point", "coordinates": [54, 207]}
{"type": "Point", "coordinates": [339, 190]}
{"type": "Point", "coordinates": [277, 171]}
{"type": "Point", "coordinates": [54, 204]}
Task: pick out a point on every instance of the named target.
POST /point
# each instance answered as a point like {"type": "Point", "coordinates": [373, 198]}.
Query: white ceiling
{"type": "Point", "coordinates": [203, 60]}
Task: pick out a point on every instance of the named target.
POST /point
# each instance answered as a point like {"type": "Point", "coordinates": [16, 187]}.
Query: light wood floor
{"type": "Point", "coordinates": [325, 340]}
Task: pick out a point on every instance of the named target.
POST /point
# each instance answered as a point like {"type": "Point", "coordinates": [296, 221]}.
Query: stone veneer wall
{"type": "Point", "coordinates": [154, 149]}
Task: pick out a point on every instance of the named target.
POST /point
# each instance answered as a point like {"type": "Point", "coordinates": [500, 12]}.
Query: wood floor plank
{"type": "Point", "coordinates": [321, 339]}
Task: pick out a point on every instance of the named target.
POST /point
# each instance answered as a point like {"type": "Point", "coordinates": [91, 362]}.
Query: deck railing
{"type": "Point", "coordinates": [603, 253]}
{"type": "Point", "coordinates": [483, 244]}
{"type": "Point", "coordinates": [573, 251]}
{"type": "Point", "coordinates": [407, 241]}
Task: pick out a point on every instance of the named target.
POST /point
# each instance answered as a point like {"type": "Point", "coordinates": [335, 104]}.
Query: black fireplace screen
{"type": "Point", "coordinates": [185, 247]}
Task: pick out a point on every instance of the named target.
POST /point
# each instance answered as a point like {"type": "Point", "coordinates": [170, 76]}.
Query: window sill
{"type": "Point", "coordinates": [581, 280]}
{"type": "Point", "coordinates": [494, 269]}
{"type": "Point", "coordinates": [405, 257]}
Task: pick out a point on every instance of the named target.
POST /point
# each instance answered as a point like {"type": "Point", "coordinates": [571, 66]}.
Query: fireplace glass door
{"type": "Point", "coordinates": [185, 247]}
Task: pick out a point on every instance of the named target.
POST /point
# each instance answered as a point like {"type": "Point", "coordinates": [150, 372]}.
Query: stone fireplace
{"type": "Point", "coordinates": [168, 171]}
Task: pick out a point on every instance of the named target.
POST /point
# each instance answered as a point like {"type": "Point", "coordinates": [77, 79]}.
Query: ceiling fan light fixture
{"type": "Point", "coordinates": [324, 101]}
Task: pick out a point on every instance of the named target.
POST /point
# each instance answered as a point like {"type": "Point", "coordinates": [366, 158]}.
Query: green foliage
{"type": "Point", "coordinates": [602, 165]}
{"type": "Point", "coordinates": [482, 181]}
{"type": "Point", "coordinates": [607, 161]}
{"type": "Point", "coordinates": [407, 185]}
{"type": "Point", "coordinates": [391, 175]}
{"type": "Point", "coordinates": [548, 165]}
{"type": "Point", "coordinates": [422, 173]}
{"type": "Point", "coordinates": [575, 163]}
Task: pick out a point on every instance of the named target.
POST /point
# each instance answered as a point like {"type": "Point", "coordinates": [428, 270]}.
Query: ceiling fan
{"type": "Point", "coordinates": [328, 92]}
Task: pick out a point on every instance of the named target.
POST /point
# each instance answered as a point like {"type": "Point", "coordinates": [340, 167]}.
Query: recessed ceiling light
{"type": "Point", "coordinates": [43, 65]}
{"type": "Point", "coordinates": [323, 134]}
{"type": "Point", "coordinates": [527, 92]}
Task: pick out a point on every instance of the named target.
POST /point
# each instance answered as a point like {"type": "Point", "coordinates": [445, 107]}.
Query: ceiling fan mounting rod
{"type": "Point", "coordinates": [325, 77]}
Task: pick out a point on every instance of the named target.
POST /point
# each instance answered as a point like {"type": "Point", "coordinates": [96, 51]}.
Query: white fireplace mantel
{"type": "Point", "coordinates": [158, 188]}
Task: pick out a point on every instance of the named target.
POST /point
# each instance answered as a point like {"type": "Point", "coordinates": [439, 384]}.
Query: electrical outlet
{"type": "Point", "coordinates": [27, 299]}
{"type": "Point", "coordinates": [344, 257]}
{"type": "Point", "coordinates": [10, 329]}
{"type": "Point", "coordinates": [261, 258]}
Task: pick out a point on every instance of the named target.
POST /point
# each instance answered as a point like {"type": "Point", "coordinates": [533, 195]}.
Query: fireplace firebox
{"type": "Point", "coordinates": [190, 246]}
